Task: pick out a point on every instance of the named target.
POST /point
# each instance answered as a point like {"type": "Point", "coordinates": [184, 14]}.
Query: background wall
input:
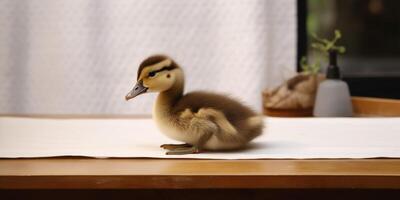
{"type": "Point", "coordinates": [81, 57]}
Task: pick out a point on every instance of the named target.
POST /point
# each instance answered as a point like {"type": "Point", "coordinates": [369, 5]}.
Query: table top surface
{"type": "Point", "coordinates": [89, 173]}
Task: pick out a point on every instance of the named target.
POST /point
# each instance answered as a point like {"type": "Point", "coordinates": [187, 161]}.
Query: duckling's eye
{"type": "Point", "coordinates": [152, 74]}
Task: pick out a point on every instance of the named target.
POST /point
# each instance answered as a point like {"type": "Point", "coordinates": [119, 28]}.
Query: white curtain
{"type": "Point", "coordinates": [81, 56]}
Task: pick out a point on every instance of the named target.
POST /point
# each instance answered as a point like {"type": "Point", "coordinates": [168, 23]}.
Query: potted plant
{"type": "Point", "coordinates": [296, 96]}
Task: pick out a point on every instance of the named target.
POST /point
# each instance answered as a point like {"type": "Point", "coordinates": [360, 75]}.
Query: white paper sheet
{"type": "Point", "coordinates": [297, 138]}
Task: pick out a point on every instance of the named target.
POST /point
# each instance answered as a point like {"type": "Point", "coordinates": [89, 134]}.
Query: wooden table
{"type": "Point", "coordinates": [81, 178]}
{"type": "Point", "coordinates": [87, 173]}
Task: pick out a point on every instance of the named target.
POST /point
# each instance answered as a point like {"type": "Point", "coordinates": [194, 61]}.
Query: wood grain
{"type": "Point", "coordinates": [367, 106]}
{"type": "Point", "coordinates": [362, 107]}
{"type": "Point", "coordinates": [86, 173]}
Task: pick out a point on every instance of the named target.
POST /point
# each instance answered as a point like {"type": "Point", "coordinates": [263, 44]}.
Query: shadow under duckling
{"type": "Point", "coordinates": [202, 120]}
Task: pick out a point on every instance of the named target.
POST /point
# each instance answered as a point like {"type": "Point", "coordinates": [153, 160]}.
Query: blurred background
{"type": "Point", "coordinates": [371, 34]}
{"type": "Point", "coordinates": [82, 56]}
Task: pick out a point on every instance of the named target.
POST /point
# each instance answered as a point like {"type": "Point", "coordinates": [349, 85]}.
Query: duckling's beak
{"type": "Point", "coordinates": [137, 90]}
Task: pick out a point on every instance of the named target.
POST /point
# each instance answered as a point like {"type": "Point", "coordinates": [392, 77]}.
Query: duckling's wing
{"type": "Point", "coordinates": [200, 99]}
{"type": "Point", "coordinates": [236, 122]}
{"type": "Point", "coordinates": [234, 111]}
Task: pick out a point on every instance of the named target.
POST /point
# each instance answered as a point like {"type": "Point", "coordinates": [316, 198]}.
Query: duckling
{"type": "Point", "coordinates": [201, 120]}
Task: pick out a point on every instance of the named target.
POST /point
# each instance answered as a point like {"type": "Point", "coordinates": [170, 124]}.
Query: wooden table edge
{"type": "Point", "coordinates": [200, 182]}
{"type": "Point", "coordinates": [198, 174]}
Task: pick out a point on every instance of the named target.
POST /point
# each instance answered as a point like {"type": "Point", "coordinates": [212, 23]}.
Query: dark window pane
{"type": "Point", "coordinates": [371, 34]}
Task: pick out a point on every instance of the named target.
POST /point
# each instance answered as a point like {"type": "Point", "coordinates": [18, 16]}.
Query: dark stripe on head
{"type": "Point", "coordinates": [165, 68]}
{"type": "Point", "coordinates": [153, 60]}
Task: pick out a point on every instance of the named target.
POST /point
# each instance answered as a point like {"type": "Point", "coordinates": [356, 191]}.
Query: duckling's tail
{"type": "Point", "coordinates": [256, 124]}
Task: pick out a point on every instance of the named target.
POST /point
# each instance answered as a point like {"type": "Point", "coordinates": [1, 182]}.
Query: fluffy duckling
{"type": "Point", "coordinates": [202, 120]}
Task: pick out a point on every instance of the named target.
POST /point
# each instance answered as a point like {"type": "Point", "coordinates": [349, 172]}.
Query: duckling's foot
{"type": "Point", "coordinates": [175, 146]}
{"type": "Point", "coordinates": [183, 151]}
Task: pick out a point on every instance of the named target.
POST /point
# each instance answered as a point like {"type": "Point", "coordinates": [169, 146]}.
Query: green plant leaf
{"type": "Point", "coordinates": [338, 34]}
{"type": "Point", "coordinates": [318, 46]}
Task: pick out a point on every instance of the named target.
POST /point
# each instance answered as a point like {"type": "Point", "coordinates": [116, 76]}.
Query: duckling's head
{"type": "Point", "coordinates": [157, 73]}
